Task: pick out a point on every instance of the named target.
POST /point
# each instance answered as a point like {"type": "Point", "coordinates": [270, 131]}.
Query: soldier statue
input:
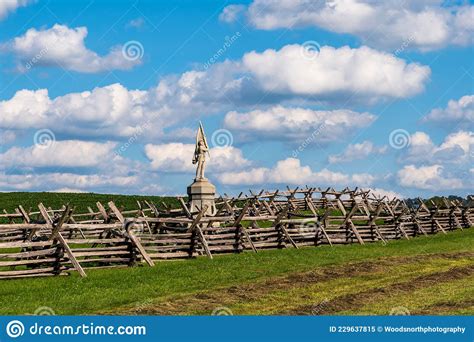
{"type": "Point", "coordinates": [200, 154]}
{"type": "Point", "coordinates": [201, 193]}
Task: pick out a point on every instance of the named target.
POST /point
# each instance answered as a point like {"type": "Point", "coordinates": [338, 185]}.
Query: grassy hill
{"type": "Point", "coordinates": [11, 200]}
{"type": "Point", "coordinates": [426, 275]}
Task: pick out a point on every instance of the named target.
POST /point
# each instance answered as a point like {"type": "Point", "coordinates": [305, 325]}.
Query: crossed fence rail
{"type": "Point", "coordinates": [50, 242]}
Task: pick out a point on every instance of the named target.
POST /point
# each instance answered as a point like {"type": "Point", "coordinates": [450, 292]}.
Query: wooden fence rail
{"type": "Point", "coordinates": [50, 242]}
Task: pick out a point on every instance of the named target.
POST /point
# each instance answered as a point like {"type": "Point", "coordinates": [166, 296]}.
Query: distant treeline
{"type": "Point", "coordinates": [438, 200]}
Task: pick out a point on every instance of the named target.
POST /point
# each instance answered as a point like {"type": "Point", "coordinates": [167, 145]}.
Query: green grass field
{"type": "Point", "coordinates": [11, 200]}
{"type": "Point", "coordinates": [426, 275]}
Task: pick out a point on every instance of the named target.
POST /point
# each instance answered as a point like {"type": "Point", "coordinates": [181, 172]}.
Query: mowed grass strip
{"type": "Point", "coordinates": [119, 290]}
{"type": "Point", "coordinates": [332, 296]}
{"type": "Point", "coordinates": [379, 294]}
{"type": "Point", "coordinates": [450, 297]}
{"type": "Point", "coordinates": [312, 292]}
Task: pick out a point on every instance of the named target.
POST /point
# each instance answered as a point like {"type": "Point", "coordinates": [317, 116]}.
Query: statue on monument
{"type": "Point", "coordinates": [202, 192]}
{"type": "Point", "coordinates": [200, 151]}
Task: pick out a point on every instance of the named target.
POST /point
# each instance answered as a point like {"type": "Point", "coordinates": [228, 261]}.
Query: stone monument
{"type": "Point", "coordinates": [201, 192]}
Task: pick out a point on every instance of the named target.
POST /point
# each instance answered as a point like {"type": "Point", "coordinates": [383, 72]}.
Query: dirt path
{"type": "Point", "coordinates": [208, 301]}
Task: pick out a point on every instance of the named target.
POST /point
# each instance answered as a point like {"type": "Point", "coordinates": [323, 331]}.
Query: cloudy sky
{"type": "Point", "coordinates": [106, 96]}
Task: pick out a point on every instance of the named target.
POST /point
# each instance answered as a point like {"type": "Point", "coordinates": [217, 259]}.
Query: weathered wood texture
{"type": "Point", "coordinates": [51, 242]}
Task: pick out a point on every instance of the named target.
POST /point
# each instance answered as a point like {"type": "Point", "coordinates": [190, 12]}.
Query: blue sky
{"type": "Point", "coordinates": [378, 95]}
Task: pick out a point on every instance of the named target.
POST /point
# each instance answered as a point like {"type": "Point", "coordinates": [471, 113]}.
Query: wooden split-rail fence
{"type": "Point", "coordinates": [50, 242]}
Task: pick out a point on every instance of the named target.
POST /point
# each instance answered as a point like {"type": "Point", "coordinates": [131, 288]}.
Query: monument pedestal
{"type": "Point", "coordinates": [201, 193]}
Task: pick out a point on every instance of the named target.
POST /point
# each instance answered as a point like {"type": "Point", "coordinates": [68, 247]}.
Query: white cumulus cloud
{"type": "Point", "coordinates": [428, 178]}
{"type": "Point", "coordinates": [424, 25]}
{"type": "Point", "coordinates": [363, 71]}
{"type": "Point", "coordinates": [259, 78]}
{"type": "Point", "coordinates": [231, 13]}
{"type": "Point", "coordinates": [358, 151]}
{"type": "Point", "coordinates": [66, 153]}
{"type": "Point", "coordinates": [105, 111]}
{"type": "Point", "coordinates": [65, 47]}
{"type": "Point", "coordinates": [297, 124]}
{"type": "Point", "coordinates": [290, 171]}
{"type": "Point", "coordinates": [456, 148]}
{"type": "Point", "coordinates": [459, 112]}
{"type": "Point", "coordinates": [8, 6]}
{"type": "Point", "coordinates": [177, 157]}
{"type": "Point", "coordinates": [54, 180]}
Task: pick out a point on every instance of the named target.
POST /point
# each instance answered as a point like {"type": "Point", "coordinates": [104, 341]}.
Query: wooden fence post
{"type": "Point", "coordinates": [61, 240]}
{"type": "Point", "coordinates": [128, 233]}
{"type": "Point", "coordinates": [196, 231]}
